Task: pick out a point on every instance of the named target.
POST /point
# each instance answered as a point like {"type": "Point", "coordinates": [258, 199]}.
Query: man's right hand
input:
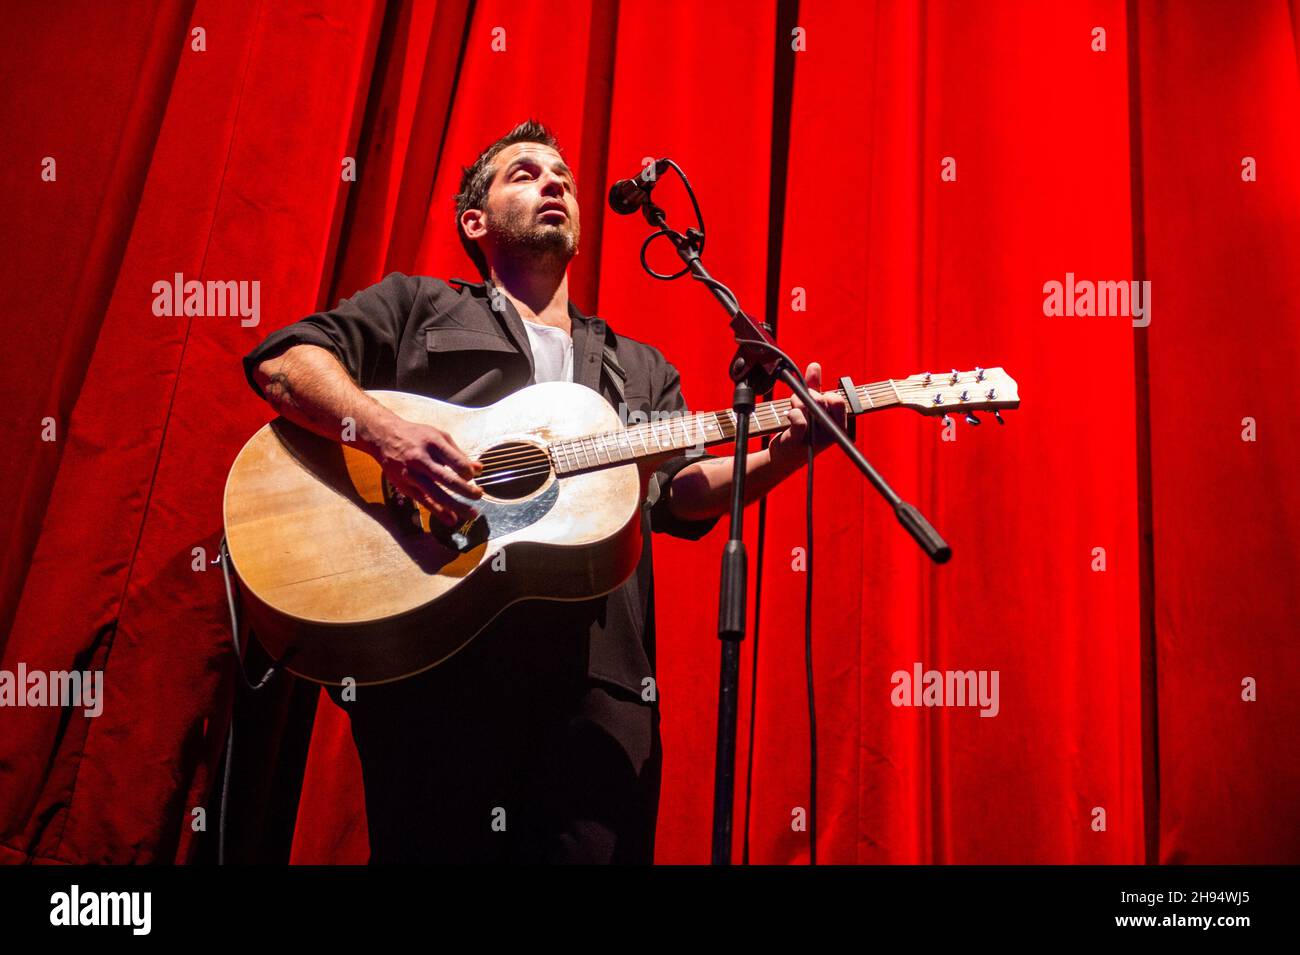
{"type": "Point", "coordinates": [309, 385]}
{"type": "Point", "coordinates": [423, 462]}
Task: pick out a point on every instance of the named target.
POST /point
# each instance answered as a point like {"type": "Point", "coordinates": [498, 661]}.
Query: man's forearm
{"type": "Point", "coordinates": [703, 489]}
{"type": "Point", "coordinates": [307, 385]}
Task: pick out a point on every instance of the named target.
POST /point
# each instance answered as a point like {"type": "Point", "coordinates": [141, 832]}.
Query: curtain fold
{"type": "Point", "coordinates": [105, 143]}
{"type": "Point", "coordinates": [1224, 337]}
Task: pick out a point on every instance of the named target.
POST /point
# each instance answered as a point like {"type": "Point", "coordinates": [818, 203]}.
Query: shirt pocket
{"type": "Point", "coordinates": [471, 367]}
{"type": "Point", "coordinates": [457, 339]}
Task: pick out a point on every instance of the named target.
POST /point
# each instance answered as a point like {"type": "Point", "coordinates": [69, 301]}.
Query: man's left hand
{"type": "Point", "coordinates": [790, 447]}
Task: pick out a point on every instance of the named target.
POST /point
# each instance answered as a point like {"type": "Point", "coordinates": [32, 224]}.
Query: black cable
{"type": "Point", "coordinates": [234, 624]}
{"type": "Point", "coordinates": [698, 243]}
{"type": "Point", "coordinates": [714, 283]}
{"type": "Point", "coordinates": [807, 620]}
{"type": "Point", "coordinates": [784, 357]}
{"type": "Point", "coordinates": [233, 604]}
{"type": "Point", "coordinates": [225, 792]}
{"type": "Point", "coordinates": [808, 657]}
{"type": "Point", "coordinates": [699, 216]}
{"type": "Point", "coordinates": [759, 553]}
{"type": "Point", "coordinates": [677, 239]}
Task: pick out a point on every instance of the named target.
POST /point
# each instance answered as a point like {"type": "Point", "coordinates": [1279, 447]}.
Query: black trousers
{"type": "Point", "coordinates": [508, 752]}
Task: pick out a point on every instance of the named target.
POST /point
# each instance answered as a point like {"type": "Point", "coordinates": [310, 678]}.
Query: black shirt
{"type": "Point", "coordinates": [422, 335]}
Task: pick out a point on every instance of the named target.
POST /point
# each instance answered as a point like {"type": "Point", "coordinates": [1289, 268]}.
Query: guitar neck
{"type": "Point", "coordinates": [679, 433]}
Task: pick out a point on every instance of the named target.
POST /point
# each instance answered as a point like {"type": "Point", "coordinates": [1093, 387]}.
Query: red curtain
{"type": "Point", "coordinates": [934, 165]}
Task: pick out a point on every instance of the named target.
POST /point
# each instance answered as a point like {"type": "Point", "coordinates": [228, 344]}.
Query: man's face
{"type": "Point", "coordinates": [531, 207]}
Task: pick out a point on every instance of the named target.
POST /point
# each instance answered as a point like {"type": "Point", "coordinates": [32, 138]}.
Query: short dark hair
{"type": "Point", "coordinates": [476, 179]}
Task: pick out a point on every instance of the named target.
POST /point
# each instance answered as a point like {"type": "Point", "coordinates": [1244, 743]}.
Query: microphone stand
{"type": "Point", "coordinates": [754, 367]}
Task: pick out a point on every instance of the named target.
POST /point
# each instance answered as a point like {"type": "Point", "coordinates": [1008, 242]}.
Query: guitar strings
{"type": "Point", "coordinates": [492, 482]}
{"type": "Point", "coordinates": [539, 460]}
{"type": "Point", "coordinates": [675, 430]}
{"type": "Point", "coordinates": [601, 442]}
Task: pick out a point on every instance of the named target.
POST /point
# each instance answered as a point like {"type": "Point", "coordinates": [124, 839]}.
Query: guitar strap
{"type": "Point", "coordinates": [614, 371]}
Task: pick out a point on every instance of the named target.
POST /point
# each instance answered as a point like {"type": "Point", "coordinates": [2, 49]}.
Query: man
{"type": "Point", "coordinates": [538, 741]}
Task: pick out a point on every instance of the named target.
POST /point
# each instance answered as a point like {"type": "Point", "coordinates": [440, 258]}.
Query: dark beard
{"type": "Point", "coordinates": [518, 237]}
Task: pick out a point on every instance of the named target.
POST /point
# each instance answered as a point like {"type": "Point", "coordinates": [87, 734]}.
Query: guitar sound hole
{"type": "Point", "coordinates": [513, 470]}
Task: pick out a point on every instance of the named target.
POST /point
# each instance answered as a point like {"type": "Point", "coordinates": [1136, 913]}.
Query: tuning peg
{"type": "Point", "coordinates": [971, 419]}
{"type": "Point", "coordinates": [998, 414]}
{"type": "Point", "coordinates": [956, 375]}
{"type": "Point", "coordinates": [979, 373]}
{"type": "Point", "coordinates": [946, 421]}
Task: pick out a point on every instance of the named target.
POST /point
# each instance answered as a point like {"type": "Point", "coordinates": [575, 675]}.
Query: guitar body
{"type": "Point", "coordinates": [342, 579]}
{"type": "Point", "coordinates": [339, 582]}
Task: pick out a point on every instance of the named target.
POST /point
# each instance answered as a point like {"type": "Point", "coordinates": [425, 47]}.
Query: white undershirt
{"type": "Point", "coordinates": [552, 352]}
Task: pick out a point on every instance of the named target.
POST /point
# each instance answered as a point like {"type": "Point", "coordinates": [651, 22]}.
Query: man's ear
{"type": "Point", "coordinates": [472, 221]}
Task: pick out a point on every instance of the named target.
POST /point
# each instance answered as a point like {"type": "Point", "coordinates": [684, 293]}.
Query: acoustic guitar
{"type": "Point", "coordinates": [343, 577]}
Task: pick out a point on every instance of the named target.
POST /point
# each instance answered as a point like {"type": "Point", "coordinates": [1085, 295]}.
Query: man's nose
{"type": "Point", "coordinates": [552, 185]}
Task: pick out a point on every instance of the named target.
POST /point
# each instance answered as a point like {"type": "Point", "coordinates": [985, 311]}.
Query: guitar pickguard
{"type": "Point", "coordinates": [497, 519]}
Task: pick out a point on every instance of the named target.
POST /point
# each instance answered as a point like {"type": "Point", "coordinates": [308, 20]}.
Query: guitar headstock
{"type": "Point", "coordinates": [983, 389]}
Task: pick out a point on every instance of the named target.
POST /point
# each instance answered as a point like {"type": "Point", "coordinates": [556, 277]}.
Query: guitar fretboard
{"type": "Point", "coordinates": [703, 429]}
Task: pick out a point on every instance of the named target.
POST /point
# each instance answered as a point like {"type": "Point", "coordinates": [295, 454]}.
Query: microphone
{"type": "Point", "coordinates": [628, 195]}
